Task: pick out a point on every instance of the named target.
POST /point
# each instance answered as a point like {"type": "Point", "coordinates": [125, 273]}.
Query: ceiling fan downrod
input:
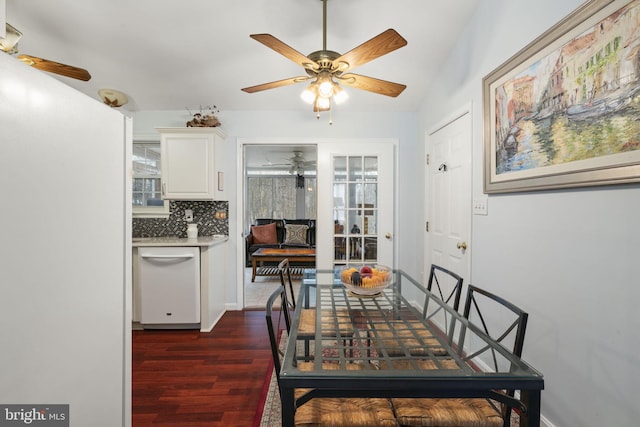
{"type": "Point", "coordinates": [324, 24]}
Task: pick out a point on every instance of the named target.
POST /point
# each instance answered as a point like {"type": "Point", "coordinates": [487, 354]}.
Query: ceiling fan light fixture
{"type": "Point", "coordinates": [325, 84]}
{"type": "Point", "coordinates": [309, 94]}
{"type": "Point", "coordinates": [113, 98]}
{"type": "Point", "coordinates": [10, 40]}
{"type": "Point", "coordinates": [339, 94]}
{"type": "Point", "coordinates": [322, 104]}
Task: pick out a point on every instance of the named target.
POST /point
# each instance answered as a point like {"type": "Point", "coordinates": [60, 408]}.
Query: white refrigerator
{"type": "Point", "coordinates": [65, 282]}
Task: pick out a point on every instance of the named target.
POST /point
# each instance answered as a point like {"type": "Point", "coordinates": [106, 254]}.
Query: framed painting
{"type": "Point", "coordinates": [565, 110]}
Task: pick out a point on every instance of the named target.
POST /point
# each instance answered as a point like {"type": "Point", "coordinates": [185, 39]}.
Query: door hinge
{"type": "Point", "coordinates": [427, 159]}
{"type": "Point", "coordinates": [426, 227]}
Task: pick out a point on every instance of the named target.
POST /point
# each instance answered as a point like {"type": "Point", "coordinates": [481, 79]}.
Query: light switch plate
{"type": "Point", "coordinates": [480, 205]}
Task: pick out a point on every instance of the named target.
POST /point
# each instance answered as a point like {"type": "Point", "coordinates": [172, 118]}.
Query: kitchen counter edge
{"type": "Point", "coordinates": [178, 241]}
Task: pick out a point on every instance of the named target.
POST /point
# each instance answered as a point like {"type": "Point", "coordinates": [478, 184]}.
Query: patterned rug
{"type": "Point", "coordinates": [270, 403]}
{"type": "Point", "coordinates": [268, 413]}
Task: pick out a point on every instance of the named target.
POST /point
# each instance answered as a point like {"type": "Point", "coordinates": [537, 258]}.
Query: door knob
{"type": "Point", "coordinates": [388, 236]}
{"type": "Point", "coordinates": [462, 245]}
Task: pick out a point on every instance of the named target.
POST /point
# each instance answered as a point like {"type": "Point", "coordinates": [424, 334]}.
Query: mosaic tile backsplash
{"type": "Point", "coordinates": [204, 213]}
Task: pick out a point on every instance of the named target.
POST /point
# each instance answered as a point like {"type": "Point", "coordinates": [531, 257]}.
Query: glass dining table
{"type": "Point", "coordinates": [408, 342]}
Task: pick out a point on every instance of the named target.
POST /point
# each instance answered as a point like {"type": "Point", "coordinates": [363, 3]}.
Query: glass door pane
{"type": "Point", "coordinates": [355, 209]}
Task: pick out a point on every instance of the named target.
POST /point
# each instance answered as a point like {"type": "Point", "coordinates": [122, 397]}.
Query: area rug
{"type": "Point", "coordinates": [268, 412]}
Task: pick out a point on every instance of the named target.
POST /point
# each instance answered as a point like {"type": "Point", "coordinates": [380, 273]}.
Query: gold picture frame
{"type": "Point", "coordinates": [563, 112]}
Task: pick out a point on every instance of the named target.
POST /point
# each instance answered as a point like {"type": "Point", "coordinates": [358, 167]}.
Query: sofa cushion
{"type": "Point", "coordinates": [264, 234]}
{"type": "Point", "coordinates": [296, 234]}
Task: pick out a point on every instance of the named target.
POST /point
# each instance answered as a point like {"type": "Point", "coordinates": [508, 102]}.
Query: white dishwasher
{"type": "Point", "coordinates": [169, 280]}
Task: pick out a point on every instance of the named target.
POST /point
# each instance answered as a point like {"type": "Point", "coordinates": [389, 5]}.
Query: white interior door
{"type": "Point", "coordinates": [449, 196]}
{"type": "Point", "coordinates": [355, 222]}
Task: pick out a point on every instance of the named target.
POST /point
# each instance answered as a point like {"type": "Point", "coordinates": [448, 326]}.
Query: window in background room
{"type": "Point", "coordinates": [278, 196]}
{"type": "Point", "coordinates": [147, 181]}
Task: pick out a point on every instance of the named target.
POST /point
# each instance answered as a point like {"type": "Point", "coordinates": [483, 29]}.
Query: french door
{"type": "Point", "coordinates": [355, 203]}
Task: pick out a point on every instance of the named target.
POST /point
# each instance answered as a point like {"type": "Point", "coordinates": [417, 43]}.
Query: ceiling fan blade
{"type": "Point", "coordinates": [56, 67]}
{"type": "Point", "coordinates": [284, 49]}
{"type": "Point", "coordinates": [381, 44]}
{"type": "Point", "coordinates": [273, 85]}
{"type": "Point", "coordinates": [370, 84]}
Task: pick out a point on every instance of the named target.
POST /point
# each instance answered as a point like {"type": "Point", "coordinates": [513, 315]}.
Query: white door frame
{"type": "Point", "coordinates": [464, 110]}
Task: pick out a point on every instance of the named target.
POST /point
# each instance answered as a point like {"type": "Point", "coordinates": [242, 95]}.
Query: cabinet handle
{"type": "Point", "coordinates": [167, 256]}
{"type": "Point", "coordinates": [164, 188]}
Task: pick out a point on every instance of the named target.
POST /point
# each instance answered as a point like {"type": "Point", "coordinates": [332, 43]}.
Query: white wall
{"type": "Point", "coordinates": [570, 258]}
{"type": "Point", "coordinates": [290, 125]}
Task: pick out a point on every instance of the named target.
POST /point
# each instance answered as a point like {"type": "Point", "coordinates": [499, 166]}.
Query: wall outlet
{"type": "Point", "coordinates": [480, 205]}
{"type": "Point", "coordinates": [188, 215]}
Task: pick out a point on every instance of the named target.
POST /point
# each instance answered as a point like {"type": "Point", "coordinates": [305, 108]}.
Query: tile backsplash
{"type": "Point", "coordinates": [212, 219]}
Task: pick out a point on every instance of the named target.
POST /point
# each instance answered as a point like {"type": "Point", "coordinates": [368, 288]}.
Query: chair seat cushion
{"type": "Point", "coordinates": [307, 326]}
{"type": "Point", "coordinates": [402, 338]}
{"type": "Point", "coordinates": [348, 412]}
{"type": "Point", "coordinates": [426, 412]}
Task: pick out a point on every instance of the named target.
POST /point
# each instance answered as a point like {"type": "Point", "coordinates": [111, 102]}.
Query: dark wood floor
{"type": "Point", "coordinates": [193, 379]}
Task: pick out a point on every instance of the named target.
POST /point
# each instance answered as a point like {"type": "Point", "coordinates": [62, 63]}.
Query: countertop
{"type": "Point", "coordinates": [178, 241]}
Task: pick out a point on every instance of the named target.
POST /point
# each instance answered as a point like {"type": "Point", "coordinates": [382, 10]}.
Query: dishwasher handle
{"type": "Point", "coordinates": [167, 256]}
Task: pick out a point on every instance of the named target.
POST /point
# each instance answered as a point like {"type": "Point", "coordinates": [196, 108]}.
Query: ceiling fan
{"type": "Point", "coordinates": [9, 44]}
{"type": "Point", "coordinates": [297, 163]}
{"type": "Point", "coordinates": [325, 65]}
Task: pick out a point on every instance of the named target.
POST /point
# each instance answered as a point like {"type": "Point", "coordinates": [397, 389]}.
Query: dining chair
{"type": "Point", "coordinates": [322, 411]}
{"type": "Point", "coordinates": [284, 271]}
{"type": "Point", "coordinates": [307, 326]}
{"type": "Point", "coordinates": [445, 284]}
{"type": "Point", "coordinates": [507, 325]}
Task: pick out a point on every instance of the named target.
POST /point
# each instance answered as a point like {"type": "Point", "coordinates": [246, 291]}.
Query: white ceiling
{"type": "Point", "coordinates": [172, 55]}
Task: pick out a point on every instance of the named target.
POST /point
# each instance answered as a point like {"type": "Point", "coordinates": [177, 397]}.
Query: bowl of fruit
{"type": "Point", "coordinates": [366, 280]}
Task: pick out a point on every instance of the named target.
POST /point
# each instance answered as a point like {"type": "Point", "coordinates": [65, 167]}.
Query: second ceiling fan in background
{"type": "Point", "coordinates": [329, 69]}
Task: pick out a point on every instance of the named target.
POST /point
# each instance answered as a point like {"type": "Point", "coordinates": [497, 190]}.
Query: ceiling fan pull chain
{"type": "Point", "coordinates": [330, 111]}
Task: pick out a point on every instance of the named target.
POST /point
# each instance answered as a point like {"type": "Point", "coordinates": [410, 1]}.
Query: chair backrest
{"type": "Point", "coordinates": [448, 285]}
{"type": "Point", "coordinates": [285, 280]}
{"type": "Point", "coordinates": [275, 317]}
{"type": "Point", "coordinates": [444, 286]}
{"type": "Point", "coordinates": [512, 319]}
{"type": "Point", "coordinates": [508, 323]}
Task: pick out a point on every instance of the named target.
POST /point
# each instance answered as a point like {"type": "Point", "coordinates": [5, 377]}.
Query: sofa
{"type": "Point", "coordinates": [280, 233]}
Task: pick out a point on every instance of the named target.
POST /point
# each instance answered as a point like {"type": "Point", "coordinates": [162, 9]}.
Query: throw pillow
{"type": "Point", "coordinates": [296, 234]}
{"type": "Point", "coordinates": [264, 234]}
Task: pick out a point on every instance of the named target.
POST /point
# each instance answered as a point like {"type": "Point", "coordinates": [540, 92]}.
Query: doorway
{"type": "Point", "coordinates": [279, 183]}
{"type": "Point", "coordinates": [448, 174]}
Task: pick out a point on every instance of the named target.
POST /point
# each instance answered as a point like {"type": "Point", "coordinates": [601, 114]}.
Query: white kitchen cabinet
{"type": "Point", "coordinates": [192, 163]}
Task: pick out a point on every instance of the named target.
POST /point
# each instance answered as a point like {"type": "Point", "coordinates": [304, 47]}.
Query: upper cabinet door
{"type": "Point", "coordinates": [192, 159]}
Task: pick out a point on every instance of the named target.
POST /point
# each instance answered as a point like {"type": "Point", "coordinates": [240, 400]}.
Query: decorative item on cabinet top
{"type": "Point", "coordinates": [204, 119]}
